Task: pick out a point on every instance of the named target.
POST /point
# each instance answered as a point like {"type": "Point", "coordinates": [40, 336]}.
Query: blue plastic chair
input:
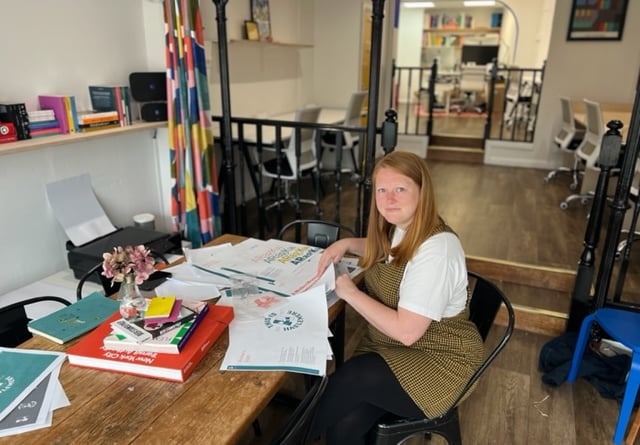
{"type": "Point", "coordinates": [624, 327]}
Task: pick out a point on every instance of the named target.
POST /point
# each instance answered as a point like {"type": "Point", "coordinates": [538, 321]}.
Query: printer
{"type": "Point", "coordinates": [84, 258]}
{"type": "Point", "coordinates": [90, 231]}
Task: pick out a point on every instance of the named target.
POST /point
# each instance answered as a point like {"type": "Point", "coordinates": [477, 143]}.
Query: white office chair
{"type": "Point", "coordinates": [587, 154]}
{"type": "Point", "coordinates": [350, 140]}
{"type": "Point", "coordinates": [289, 171]}
{"type": "Point", "coordinates": [522, 94]}
{"type": "Point", "coordinates": [472, 82]}
{"type": "Point", "coordinates": [568, 139]}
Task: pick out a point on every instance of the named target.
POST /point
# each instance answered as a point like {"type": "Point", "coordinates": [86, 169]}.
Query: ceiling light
{"type": "Point", "coordinates": [472, 3]}
{"type": "Point", "coordinates": [419, 5]}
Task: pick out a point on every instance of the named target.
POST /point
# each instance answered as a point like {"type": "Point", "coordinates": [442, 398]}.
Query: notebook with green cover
{"type": "Point", "coordinates": [74, 320]}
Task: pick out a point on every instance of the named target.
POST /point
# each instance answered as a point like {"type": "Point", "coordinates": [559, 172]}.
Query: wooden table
{"type": "Point", "coordinates": [212, 406]}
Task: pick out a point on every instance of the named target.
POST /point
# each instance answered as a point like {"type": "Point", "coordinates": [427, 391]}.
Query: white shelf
{"type": "Point", "coordinates": [48, 141]}
{"type": "Point", "coordinates": [461, 30]}
{"type": "Point", "coordinates": [266, 43]}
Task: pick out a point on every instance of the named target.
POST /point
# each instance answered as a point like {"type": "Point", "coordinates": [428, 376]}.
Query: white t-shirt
{"type": "Point", "coordinates": [434, 283]}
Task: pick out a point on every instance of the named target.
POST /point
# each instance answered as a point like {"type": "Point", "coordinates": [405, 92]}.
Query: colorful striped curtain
{"type": "Point", "coordinates": [195, 197]}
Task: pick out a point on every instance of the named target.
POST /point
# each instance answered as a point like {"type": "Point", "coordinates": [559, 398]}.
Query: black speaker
{"type": "Point", "coordinates": [154, 112]}
{"type": "Point", "coordinates": [148, 87]}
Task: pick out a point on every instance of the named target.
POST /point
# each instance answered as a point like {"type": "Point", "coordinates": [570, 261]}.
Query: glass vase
{"type": "Point", "coordinates": [132, 303]}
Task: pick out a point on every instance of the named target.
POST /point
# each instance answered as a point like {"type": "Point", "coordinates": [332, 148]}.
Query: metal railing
{"type": "Point", "coordinates": [509, 105]}
{"type": "Point", "coordinates": [252, 150]}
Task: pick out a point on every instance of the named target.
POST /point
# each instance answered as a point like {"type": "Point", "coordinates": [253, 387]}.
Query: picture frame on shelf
{"type": "Point", "coordinates": [597, 20]}
{"type": "Point", "coordinates": [262, 17]}
{"type": "Point", "coordinates": [251, 30]}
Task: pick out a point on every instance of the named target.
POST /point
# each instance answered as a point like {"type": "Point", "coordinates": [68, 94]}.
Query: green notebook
{"type": "Point", "coordinates": [74, 320]}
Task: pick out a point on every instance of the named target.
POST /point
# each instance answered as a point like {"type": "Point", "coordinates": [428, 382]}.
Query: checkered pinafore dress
{"type": "Point", "coordinates": [435, 368]}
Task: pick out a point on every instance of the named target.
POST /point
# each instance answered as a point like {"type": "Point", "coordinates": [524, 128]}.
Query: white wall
{"type": "Point", "coordinates": [266, 79]}
{"type": "Point", "coordinates": [337, 40]}
{"type": "Point", "coordinates": [63, 47]}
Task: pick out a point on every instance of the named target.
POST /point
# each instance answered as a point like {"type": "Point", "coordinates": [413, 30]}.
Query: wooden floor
{"type": "Point", "coordinates": [508, 214]}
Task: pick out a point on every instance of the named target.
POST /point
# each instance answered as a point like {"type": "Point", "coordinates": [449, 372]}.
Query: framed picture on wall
{"type": "Point", "coordinates": [597, 20]}
{"type": "Point", "coordinates": [261, 15]}
{"type": "Point", "coordinates": [251, 30]}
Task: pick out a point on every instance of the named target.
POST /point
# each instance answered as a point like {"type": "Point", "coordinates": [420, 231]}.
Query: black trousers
{"type": "Point", "coordinates": [358, 394]}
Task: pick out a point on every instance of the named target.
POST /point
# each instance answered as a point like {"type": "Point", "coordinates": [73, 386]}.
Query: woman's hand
{"type": "Point", "coordinates": [345, 287]}
{"type": "Point", "coordinates": [332, 254]}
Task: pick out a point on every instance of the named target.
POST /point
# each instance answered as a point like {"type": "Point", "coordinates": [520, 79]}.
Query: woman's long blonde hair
{"type": "Point", "coordinates": [425, 220]}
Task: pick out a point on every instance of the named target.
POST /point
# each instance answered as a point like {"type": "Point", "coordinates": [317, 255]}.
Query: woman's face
{"type": "Point", "coordinates": [396, 197]}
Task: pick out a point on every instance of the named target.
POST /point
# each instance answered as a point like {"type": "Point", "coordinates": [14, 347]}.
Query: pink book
{"type": "Point", "coordinates": [56, 103]}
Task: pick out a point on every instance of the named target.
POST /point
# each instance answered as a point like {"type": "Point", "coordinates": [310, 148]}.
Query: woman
{"type": "Point", "coordinates": [420, 348]}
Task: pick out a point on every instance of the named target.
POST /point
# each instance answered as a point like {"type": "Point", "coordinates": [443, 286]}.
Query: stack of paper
{"type": "Point", "coordinates": [278, 266]}
{"type": "Point", "coordinates": [275, 266]}
{"type": "Point", "coordinates": [29, 389]}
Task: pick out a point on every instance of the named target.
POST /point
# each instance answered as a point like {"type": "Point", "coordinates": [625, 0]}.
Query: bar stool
{"type": "Point", "coordinates": [622, 326]}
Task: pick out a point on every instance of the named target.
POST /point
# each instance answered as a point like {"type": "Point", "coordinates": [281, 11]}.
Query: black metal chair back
{"type": "Point", "coordinates": [14, 320]}
{"type": "Point", "coordinates": [486, 300]}
{"type": "Point", "coordinates": [318, 233]}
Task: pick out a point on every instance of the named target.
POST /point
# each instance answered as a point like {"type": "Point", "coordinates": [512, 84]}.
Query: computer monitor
{"type": "Point", "coordinates": [479, 54]}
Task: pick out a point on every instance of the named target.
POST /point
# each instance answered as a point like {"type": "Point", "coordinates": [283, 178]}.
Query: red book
{"type": "Point", "coordinates": [91, 353]}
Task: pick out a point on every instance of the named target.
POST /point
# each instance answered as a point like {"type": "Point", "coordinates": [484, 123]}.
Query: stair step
{"type": "Point", "coordinates": [453, 140]}
{"type": "Point", "coordinates": [456, 154]}
{"type": "Point", "coordinates": [540, 296]}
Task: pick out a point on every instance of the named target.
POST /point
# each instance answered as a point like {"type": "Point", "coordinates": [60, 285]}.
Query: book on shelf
{"type": "Point", "coordinates": [188, 311]}
{"type": "Point", "coordinates": [43, 125]}
{"type": "Point", "coordinates": [16, 114]}
{"type": "Point", "coordinates": [72, 321]}
{"type": "Point", "coordinates": [92, 117]}
{"type": "Point", "coordinates": [96, 126]}
{"type": "Point", "coordinates": [41, 115]}
{"type": "Point", "coordinates": [90, 351]}
{"type": "Point", "coordinates": [72, 114]}
{"type": "Point", "coordinates": [61, 108]}
{"type": "Point", "coordinates": [171, 342]}
{"type": "Point", "coordinates": [112, 98]}
{"type": "Point", "coordinates": [45, 132]}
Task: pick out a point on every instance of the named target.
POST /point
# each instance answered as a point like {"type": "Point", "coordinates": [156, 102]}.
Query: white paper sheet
{"type": "Point", "coordinates": [277, 266]}
{"type": "Point", "coordinates": [288, 337]}
{"type": "Point", "coordinates": [77, 209]}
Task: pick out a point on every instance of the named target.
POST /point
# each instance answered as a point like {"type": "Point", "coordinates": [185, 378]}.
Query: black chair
{"type": "Point", "coordinates": [14, 320]}
{"type": "Point", "coordinates": [486, 299]}
{"type": "Point", "coordinates": [296, 430]}
{"type": "Point", "coordinates": [318, 233]}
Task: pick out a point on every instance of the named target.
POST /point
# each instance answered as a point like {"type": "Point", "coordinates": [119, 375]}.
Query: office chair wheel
{"type": "Point", "coordinates": [564, 205]}
{"type": "Point", "coordinates": [548, 177]}
{"type": "Point", "coordinates": [573, 186]}
{"type": "Point", "coordinates": [584, 201]}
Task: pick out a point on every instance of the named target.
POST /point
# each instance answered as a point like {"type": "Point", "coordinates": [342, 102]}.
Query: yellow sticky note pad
{"type": "Point", "coordinates": [160, 307]}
